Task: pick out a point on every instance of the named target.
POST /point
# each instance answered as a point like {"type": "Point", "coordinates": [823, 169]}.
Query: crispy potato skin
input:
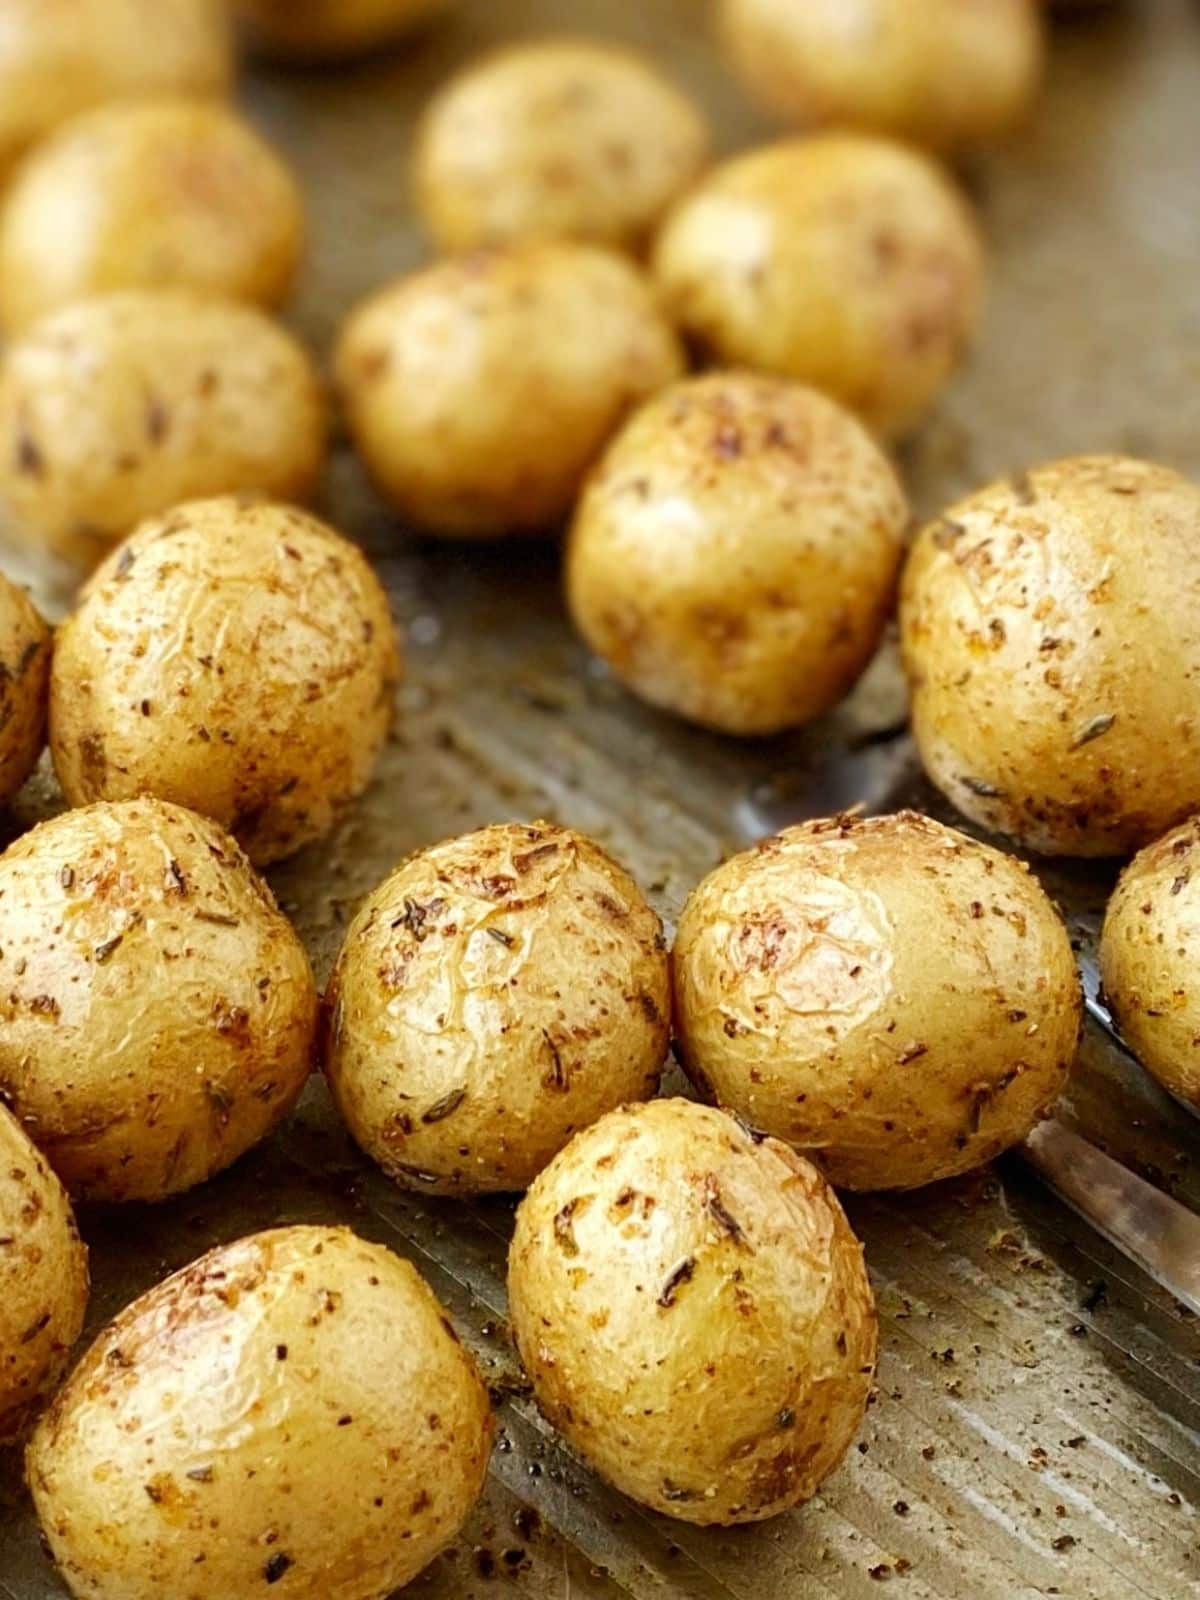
{"type": "Point", "coordinates": [24, 687]}
{"type": "Point", "coordinates": [294, 1405]}
{"type": "Point", "coordinates": [1051, 634]}
{"type": "Point", "coordinates": [235, 657]}
{"type": "Point", "coordinates": [892, 998]}
{"type": "Point", "coordinates": [845, 262]}
{"type": "Point", "coordinates": [480, 390]}
{"type": "Point", "coordinates": [330, 30]}
{"type": "Point", "coordinates": [734, 556]}
{"type": "Point", "coordinates": [43, 1279]}
{"type": "Point", "coordinates": [943, 73]}
{"type": "Point", "coordinates": [157, 1011]}
{"type": "Point", "coordinates": [556, 139]}
{"type": "Point", "coordinates": [692, 1308]}
{"type": "Point", "coordinates": [497, 993]}
{"type": "Point", "coordinates": [154, 194]}
{"type": "Point", "coordinates": [120, 407]}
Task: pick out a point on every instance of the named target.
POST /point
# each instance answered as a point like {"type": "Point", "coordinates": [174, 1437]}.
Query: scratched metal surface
{"type": "Point", "coordinates": [1035, 1430]}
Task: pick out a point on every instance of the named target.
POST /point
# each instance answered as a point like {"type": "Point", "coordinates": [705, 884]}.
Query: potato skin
{"type": "Point", "coordinates": [894, 999]}
{"type": "Point", "coordinates": [846, 262]}
{"type": "Point", "coordinates": [480, 390]}
{"type": "Point", "coordinates": [293, 1406]}
{"type": "Point", "coordinates": [555, 139]}
{"type": "Point", "coordinates": [330, 30]}
{"type": "Point", "coordinates": [692, 1309]}
{"type": "Point", "coordinates": [498, 992]}
{"type": "Point", "coordinates": [734, 556]}
{"type": "Point", "coordinates": [24, 687]}
{"type": "Point", "coordinates": [43, 1279]}
{"type": "Point", "coordinates": [154, 194]}
{"type": "Point", "coordinates": [124, 405]}
{"type": "Point", "coordinates": [235, 657]}
{"type": "Point", "coordinates": [1035, 615]}
{"type": "Point", "coordinates": [157, 1012]}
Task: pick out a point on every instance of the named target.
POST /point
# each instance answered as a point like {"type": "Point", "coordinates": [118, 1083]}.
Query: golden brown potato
{"type": "Point", "coordinates": [845, 262]}
{"type": "Point", "coordinates": [1051, 629]}
{"type": "Point", "coordinates": [734, 556]}
{"type": "Point", "coordinates": [330, 30]}
{"type": "Point", "coordinates": [498, 992]}
{"type": "Point", "coordinates": [173, 193]}
{"type": "Point", "coordinates": [234, 657]}
{"type": "Point", "coordinates": [122, 406]}
{"type": "Point", "coordinates": [693, 1311]}
{"type": "Point", "coordinates": [43, 1279]}
{"type": "Point", "coordinates": [945, 73]}
{"type": "Point", "coordinates": [894, 999]}
{"type": "Point", "coordinates": [291, 1409]}
{"type": "Point", "coordinates": [556, 139]}
{"type": "Point", "coordinates": [480, 390]}
{"type": "Point", "coordinates": [24, 687]}
{"type": "Point", "coordinates": [157, 1012]}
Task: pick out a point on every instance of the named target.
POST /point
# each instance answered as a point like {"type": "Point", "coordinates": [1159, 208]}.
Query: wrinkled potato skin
{"type": "Point", "coordinates": [892, 998]}
{"type": "Point", "coordinates": [155, 194]}
{"type": "Point", "coordinates": [61, 57]}
{"type": "Point", "coordinates": [24, 687]}
{"type": "Point", "coordinates": [942, 73]}
{"type": "Point", "coordinates": [43, 1279]}
{"type": "Point", "coordinates": [557, 139]}
{"type": "Point", "coordinates": [1051, 633]}
{"type": "Point", "coordinates": [294, 1406]}
{"type": "Point", "coordinates": [497, 993]}
{"type": "Point", "coordinates": [845, 262]}
{"type": "Point", "coordinates": [481, 390]}
{"type": "Point", "coordinates": [157, 1012]}
{"type": "Point", "coordinates": [735, 554]}
{"type": "Point", "coordinates": [237, 658]}
{"type": "Point", "coordinates": [331, 30]}
{"type": "Point", "coordinates": [692, 1309]}
{"type": "Point", "coordinates": [122, 406]}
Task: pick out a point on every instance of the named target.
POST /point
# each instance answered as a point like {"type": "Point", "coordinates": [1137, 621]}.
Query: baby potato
{"type": "Point", "coordinates": [498, 992]}
{"type": "Point", "coordinates": [330, 30]}
{"type": "Point", "coordinates": [692, 1309]}
{"type": "Point", "coordinates": [480, 390]}
{"type": "Point", "coordinates": [846, 262]}
{"type": "Point", "coordinates": [734, 556]}
{"type": "Point", "coordinates": [24, 687]}
{"type": "Point", "coordinates": [1051, 632]}
{"type": "Point", "coordinates": [561, 138]}
{"type": "Point", "coordinates": [894, 999]}
{"type": "Point", "coordinates": [234, 657]}
{"type": "Point", "coordinates": [936, 72]}
{"type": "Point", "coordinates": [172, 193]}
{"type": "Point", "coordinates": [43, 1279]}
{"type": "Point", "coordinates": [291, 1409]}
{"type": "Point", "coordinates": [157, 1012]}
{"type": "Point", "coordinates": [120, 407]}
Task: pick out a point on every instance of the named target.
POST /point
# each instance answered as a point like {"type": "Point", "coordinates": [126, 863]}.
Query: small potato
{"type": "Point", "coordinates": [497, 993]}
{"type": "Point", "coordinates": [330, 30]}
{"type": "Point", "coordinates": [734, 556]}
{"type": "Point", "coordinates": [43, 1279]}
{"type": "Point", "coordinates": [845, 262]}
{"type": "Point", "coordinates": [291, 1409]}
{"type": "Point", "coordinates": [237, 658]}
{"type": "Point", "coordinates": [149, 194]}
{"type": "Point", "coordinates": [945, 73]}
{"type": "Point", "coordinates": [157, 1012]}
{"type": "Point", "coordinates": [481, 390]}
{"type": "Point", "coordinates": [24, 687]}
{"type": "Point", "coordinates": [1051, 632]}
{"type": "Point", "coordinates": [559, 139]}
{"type": "Point", "coordinates": [692, 1309]}
{"type": "Point", "coordinates": [122, 406]}
{"type": "Point", "coordinates": [894, 999]}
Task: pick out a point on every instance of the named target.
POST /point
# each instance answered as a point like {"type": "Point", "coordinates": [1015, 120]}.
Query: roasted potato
{"type": "Point", "coordinates": [1051, 630]}
{"type": "Point", "coordinates": [24, 687]}
{"type": "Point", "coordinates": [894, 999]}
{"type": "Point", "coordinates": [479, 391]}
{"type": "Point", "coordinates": [157, 1012]}
{"type": "Point", "coordinates": [846, 262]}
{"type": "Point", "coordinates": [692, 1309]}
{"type": "Point", "coordinates": [235, 657]}
{"type": "Point", "coordinates": [291, 1409]}
{"type": "Point", "coordinates": [734, 556]}
{"type": "Point", "coordinates": [330, 30]}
